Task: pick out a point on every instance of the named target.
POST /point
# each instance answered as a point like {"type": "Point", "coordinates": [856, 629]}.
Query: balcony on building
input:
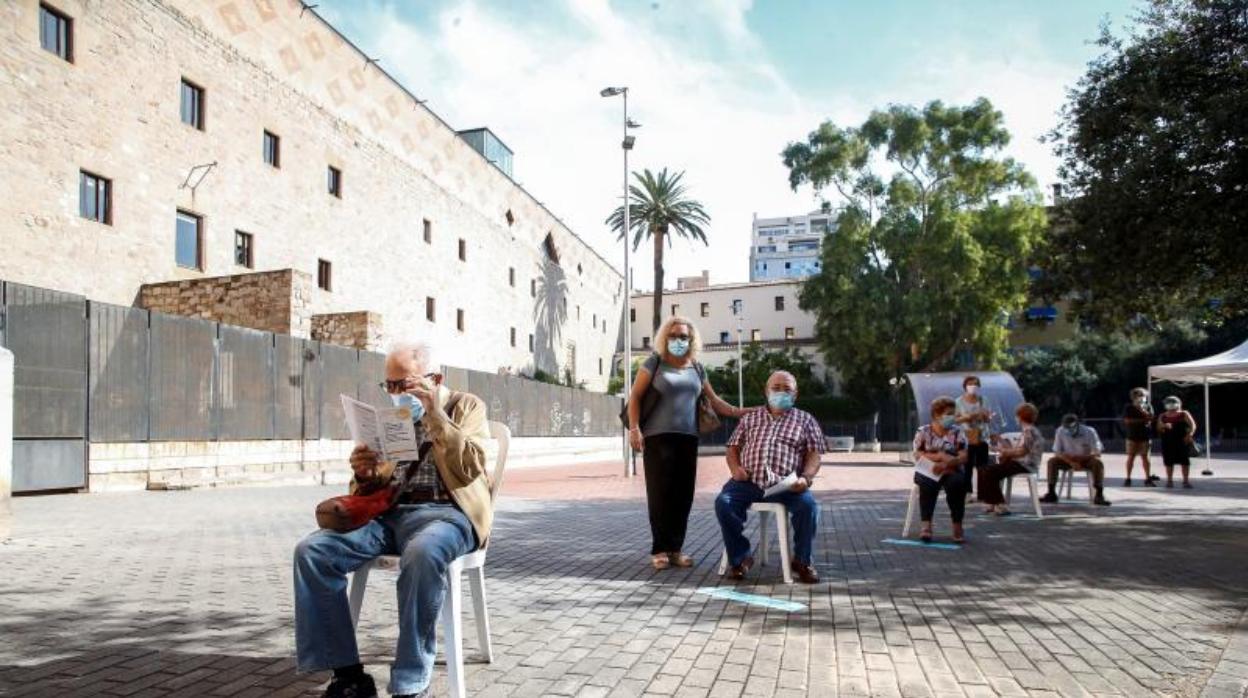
{"type": "Point", "coordinates": [485, 142]}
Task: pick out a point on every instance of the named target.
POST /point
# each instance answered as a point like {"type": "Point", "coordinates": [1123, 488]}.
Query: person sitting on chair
{"type": "Point", "coordinates": [767, 446]}
{"type": "Point", "coordinates": [1014, 458]}
{"type": "Point", "coordinates": [941, 445]}
{"type": "Point", "coordinates": [442, 511]}
{"type": "Point", "coordinates": [1076, 447]}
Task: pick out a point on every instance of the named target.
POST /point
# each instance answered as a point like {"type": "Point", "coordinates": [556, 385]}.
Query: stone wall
{"type": "Point", "coordinates": [268, 65]}
{"type": "Point", "coordinates": [275, 301]}
{"type": "Point", "coordinates": [361, 329]}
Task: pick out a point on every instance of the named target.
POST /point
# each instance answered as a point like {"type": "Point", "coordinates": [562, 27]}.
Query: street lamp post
{"type": "Point", "coordinates": [626, 145]}
{"type": "Point", "coordinates": [738, 310]}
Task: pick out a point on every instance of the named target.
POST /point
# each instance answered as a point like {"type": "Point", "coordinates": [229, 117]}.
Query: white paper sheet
{"type": "Point", "coordinates": [923, 466]}
{"type": "Point", "coordinates": [386, 430]}
{"type": "Point", "coordinates": [783, 486]}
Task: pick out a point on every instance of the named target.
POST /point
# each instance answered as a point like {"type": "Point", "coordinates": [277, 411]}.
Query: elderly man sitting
{"type": "Point", "coordinates": [1076, 447]}
{"type": "Point", "coordinates": [767, 446]}
{"type": "Point", "coordinates": [441, 511]}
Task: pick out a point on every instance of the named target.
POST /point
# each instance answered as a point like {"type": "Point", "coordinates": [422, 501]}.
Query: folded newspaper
{"type": "Point", "coordinates": [785, 483]}
{"type": "Point", "coordinates": [923, 466]}
{"type": "Point", "coordinates": [386, 430]}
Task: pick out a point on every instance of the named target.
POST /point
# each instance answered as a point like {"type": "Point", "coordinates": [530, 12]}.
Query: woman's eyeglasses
{"type": "Point", "coordinates": [684, 337]}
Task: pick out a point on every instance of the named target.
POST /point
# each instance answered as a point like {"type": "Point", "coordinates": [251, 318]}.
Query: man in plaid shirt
{"type": "Point", "coordinates": [767, 446]}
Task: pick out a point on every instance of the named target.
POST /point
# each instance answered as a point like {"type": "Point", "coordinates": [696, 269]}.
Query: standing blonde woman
{"type": "Point", "coordinates": [664, 427]}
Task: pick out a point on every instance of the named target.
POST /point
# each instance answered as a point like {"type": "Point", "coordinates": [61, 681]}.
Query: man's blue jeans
{"type": "Point", "coordinates": [427, 537]}
{"type": "Point", "coordinates": [733, 504]}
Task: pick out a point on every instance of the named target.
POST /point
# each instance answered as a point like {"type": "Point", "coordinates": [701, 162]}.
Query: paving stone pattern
{"type": "Point", "coordinates": [189, 593]}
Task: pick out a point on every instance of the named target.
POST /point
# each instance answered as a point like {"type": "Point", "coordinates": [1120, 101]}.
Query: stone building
{"type": "Point", "coordinates": [148, 142]}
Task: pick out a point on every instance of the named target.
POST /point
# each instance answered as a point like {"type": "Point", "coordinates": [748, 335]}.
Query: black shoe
{"type": "Point", "coordinates": [1206, 472]}
{"type": "Point", "coordinates": [1151, 482]}
{"type": "Point", "coordinates": [361, 686]}
{"type": "Point", "coordinates": [1126, 482]}
{"type": "Point", "coordinates": [1154, 478]}
{"type": "Point", "coordinates": [1187, 485]}
{"type": "Point", "coordinates": [1049, 498]}
{"type": "Point", "coordinates": [1100, 501]}
{"type": "Point", "coordinates": [423, 694]}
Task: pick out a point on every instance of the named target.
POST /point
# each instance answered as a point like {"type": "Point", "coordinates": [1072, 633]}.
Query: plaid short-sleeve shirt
{"type": "Point", "coordinates": [772, 447]}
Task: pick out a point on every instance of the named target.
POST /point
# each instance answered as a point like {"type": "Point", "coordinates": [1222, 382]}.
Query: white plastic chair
{"type": "Point", "coordinates": [766, 511]}
{"type": "Point", "coordinates": [1066, 479]}
{"type": "Point", "coordinates": [910, 507]}
{"type": "Point", "coordinates": [1033, 484]}
{"type": "Point", "coordinates": [452, 608]}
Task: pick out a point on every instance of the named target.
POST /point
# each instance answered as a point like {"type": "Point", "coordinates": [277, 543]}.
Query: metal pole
{"type": "Point", "coordinates": [740, 308]}
{"type": "Point", "coordinates": [630, 469]}
{"type": "Point", "coordinates": [1208, 429]}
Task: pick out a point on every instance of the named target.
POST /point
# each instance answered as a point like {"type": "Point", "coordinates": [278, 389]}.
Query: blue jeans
{"type": "Point", "coordinates": [733, 504]}
{"type": "Point", "coordinates": [427, 537]}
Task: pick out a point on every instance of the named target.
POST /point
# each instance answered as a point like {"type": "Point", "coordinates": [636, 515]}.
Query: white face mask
{"type": "Point", "coordinates": [972, 390]}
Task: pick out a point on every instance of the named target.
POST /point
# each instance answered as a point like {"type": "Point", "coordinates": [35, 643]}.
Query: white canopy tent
{"type": "Point", "coordinates": [1231, 366]}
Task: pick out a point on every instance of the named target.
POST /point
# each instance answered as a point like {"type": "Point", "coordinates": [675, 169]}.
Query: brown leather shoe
{"type": "Point", "coordinates": [738, 572]}
{"type": "Point", "coordinates": [806, 574]}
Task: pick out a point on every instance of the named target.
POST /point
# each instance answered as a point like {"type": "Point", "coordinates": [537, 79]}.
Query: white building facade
{"type": "Point", "coordinates": [788, 247]}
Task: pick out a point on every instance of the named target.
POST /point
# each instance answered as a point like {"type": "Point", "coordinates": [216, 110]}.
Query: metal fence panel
{"type": "Point", "coordinates": [118, 356]}
{"type": "Point", "coordinates": [288, 363]}
{"type": "Point", "coordinates": [371, 371]}
{"type": "Point", "coordinates": [245, 390]}
{"type": "Point", "coordinates": [339, 375]}
{"type": "Point", "coordinates": [312, 388]}
{"type": "Point", "coordinates": [183, 375]}
{"type": "Point", "coordinates": [47, 333]}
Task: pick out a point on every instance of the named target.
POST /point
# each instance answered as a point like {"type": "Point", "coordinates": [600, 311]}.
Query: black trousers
{"type": "Point", "coordinates": [671, 467]}
{"type": "Point", "coordinates": [954, 485]}
{"type": "Point", "coordinates": [976, 458]}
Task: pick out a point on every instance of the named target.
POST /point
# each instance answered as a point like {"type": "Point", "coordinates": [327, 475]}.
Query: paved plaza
{"type": "Point", "coordinates": [189, 593]}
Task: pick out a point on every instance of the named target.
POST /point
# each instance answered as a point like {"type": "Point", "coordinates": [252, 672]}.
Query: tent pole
{"type": "Point", "coordinates": [1208, 428]}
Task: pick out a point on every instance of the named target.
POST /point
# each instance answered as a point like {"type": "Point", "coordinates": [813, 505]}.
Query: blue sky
{"type": "Point", "coordinates": [720, 87]}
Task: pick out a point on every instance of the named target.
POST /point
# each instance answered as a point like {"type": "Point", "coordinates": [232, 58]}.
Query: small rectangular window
{"type": "Point", "coordinates": [513, 336]}
{"type": "Point", "coordinates": [459, 319]}
{"type": "Point", "coordinates": [530, 343]}
{"type": "Point", "coordinates": [604, 325]}
{"type": "Point", "coordinates": [463, 250]}
{"type": "Point", "coordinates": [188, 241]}
{"type": "Point", "coordinates": [431, 309]}
{"type": "Point", "coordinates": [242, 249]}
{"type": "Point", "coordinates": [56, 32]}
{"type": "Point", "coordinates": [675, 309]}
{"type": "Point", "coordinates": [192, 104]}
{"type": "Point", "coordinates": [334, 181]}
{"type": "Point", "coordinates": [533, 287]}
{"type": "Point", "coordinates": [790, 333]}
{"type": "Point", "coordinates": [632, 315]}
{"type": "Point", "coordinates": [645, 342]}
{"type": "Point", "coordinates": [578, 313]}
{"type": "Point", "coordinates": [779, 302]}
{"type": "Point", "coordinates": [272, 149]}
{"type": "Point", "coordinates": [594, 320]}
{"type": "Point", "coordinates": [95, 198]}
{"type": "Point", "coordinates": [511, 276]}
{"type": "Point", "coordinates": [706, 310]}
{"type": "Point", "coordinates": [724, 337]}
{"type": "Point", "coordinates": [324, 275]}
{"type": "Point", "coordinates": [600, 365]}
{"type": "Point", "coordinates": [428, 232]}
{"type": "Point", "coordinates": [756, 335]}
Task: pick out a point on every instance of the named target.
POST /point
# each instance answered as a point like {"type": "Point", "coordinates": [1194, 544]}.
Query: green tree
{"type": "Point", "coordinates": [920, 267]}
{"type": "Point", "coordinates": [759, 363]}
{"type": "Point", "coordinates": [658, 209]}
{"type": "Point", "coordinates": [1154, 149]}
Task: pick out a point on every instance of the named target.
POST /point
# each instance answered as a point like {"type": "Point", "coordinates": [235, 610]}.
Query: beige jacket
{"type": "Point", "coordinates": [459, 455]}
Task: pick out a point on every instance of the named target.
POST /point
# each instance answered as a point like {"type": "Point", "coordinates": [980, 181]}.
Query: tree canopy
{"type": "Point", "coordinates": [921, 267]}
{"type": "Point", "coordinates": [1154, 149]}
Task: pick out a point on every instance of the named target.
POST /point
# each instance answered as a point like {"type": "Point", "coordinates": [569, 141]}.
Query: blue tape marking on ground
{"type": "Point", "coordinates": [921, 544]}
{"type": "Point", "coordinates": [752, 599]}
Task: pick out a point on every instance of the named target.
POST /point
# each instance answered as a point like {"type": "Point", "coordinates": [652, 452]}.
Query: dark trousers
{"type": "Point", "coordinates": [976, 458]}
{"type": "Point", "coordinates": [929, 490]}
{"type": "Point", "coordinates": [991, 477]}
{"type": "Point", "coordinates": [671, 467]}
{"type": "Point", "coordinates": [732, 507]}
{"type": "Point", "coordinates": [1094, 466]}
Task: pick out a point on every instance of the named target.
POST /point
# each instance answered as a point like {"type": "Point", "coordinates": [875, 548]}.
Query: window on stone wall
{"type": "Point", "coordinates": [428, 231]}
{"type": "Point", "coordinates": [324, 275]}
{"type": "Point", "coordinates": [552, 252]}
{"type": "Point", "coordinates": [95, 197]}
{"type": "Point", "coordinates": [779, 302]}
{"type": "Point", "coordinates": [192, 104]}
{"type": "Point", "coordinates": [511, 276]}
{"type": "Point", "coordinates": [272, 149]}
{"type": "Point", "coordinates": [188, 248]}
{"type": "Point", "coordinates": [533, 287]}
{"type": "Point", "coordinates": [756, 335]}
{"type": "Point", "coordinates": [594, 320]}
{"type": "Point", "coordinates": [459, 319]}
{"type": "Point", "coordinates": [706, 310]}
{"type": "Point", "coordinates": [56, 32]}
{"type": "Point", "coordinates": [333, 180]}
{"type": "Point", "coordinates": [242, 250]}
{"type": "Point", "coordinates": [724, 338]}
{"type": "Point", "coordinates": [511, 219]}
{"type": "Point", "coordinates": [645, 342]}
{"type": "Point", "coordinates": [600, 365]}
{"type": "Point", "coordinates": [530, 343]}
{"type": "Point", "coordinates": [513, 337]}
{"type": "Point", "coordinates": [604, 325]}
{"type": "Point", "coordinates": [431, 309]}
{"type": "Point", "coordinates": [675, 309]}
{"type": "Point", "coordinates": [578, 313]}
{"type": "Point", "coordinates": [790, 333]}
{"type": "Point", "coordinates": [632, 315]}
{"type": "Point", "coordinates": [463, 250]}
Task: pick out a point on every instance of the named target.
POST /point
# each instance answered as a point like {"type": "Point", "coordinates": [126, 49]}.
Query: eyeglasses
{"type": "Point", "coordinates": [684, 337]}
{"type": "Point", "coordinates": [400, 385]}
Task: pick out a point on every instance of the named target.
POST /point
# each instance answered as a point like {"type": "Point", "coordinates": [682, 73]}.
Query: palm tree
{"type": "Point", "coordinates": [659, 209]}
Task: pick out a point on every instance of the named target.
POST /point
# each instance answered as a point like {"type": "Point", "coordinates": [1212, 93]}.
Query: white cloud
{"type": "Point", "coordinates": [535, 82]}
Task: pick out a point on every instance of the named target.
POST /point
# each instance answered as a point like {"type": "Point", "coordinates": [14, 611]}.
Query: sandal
{"type": "Point", "coordinates": [925, 534]}
{"type": "Point", "coordinates": [680, 559]}
{"type": "Point", "coordinates": [959, 536]}
{"type": "Point", "coordinates": [660, 561]}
